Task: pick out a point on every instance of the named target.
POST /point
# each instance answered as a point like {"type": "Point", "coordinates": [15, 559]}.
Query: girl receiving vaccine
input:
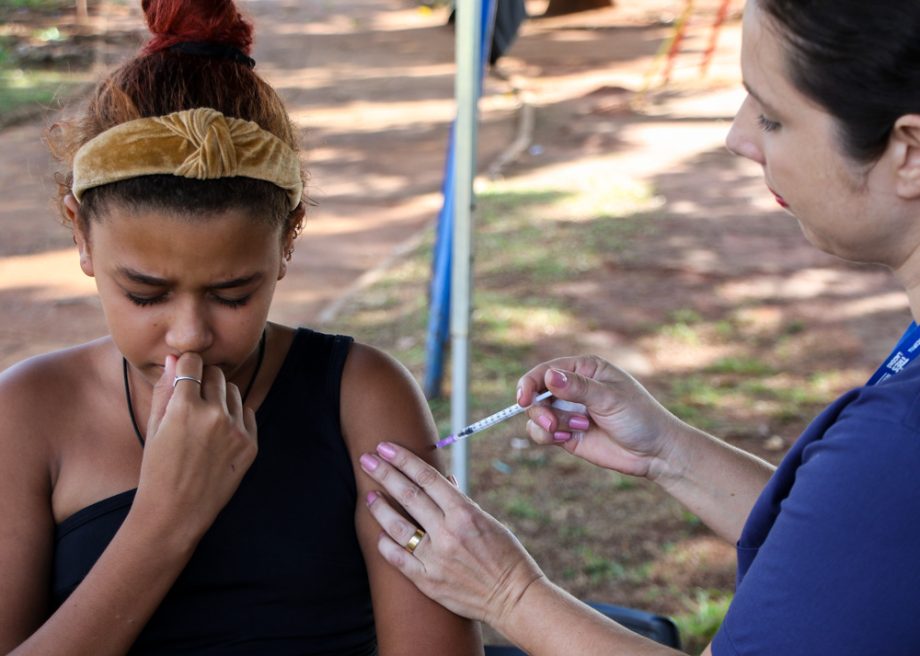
{"type": "Point", "coordinates": [187, 483]}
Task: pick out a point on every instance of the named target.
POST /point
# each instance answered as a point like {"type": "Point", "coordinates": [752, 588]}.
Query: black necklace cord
{"type": "Point", "coordinates": [137, 430]}
{"type": "Point", "coordinates": [255, 374]}
{"type": "Point", "coordinates": [252, 381]}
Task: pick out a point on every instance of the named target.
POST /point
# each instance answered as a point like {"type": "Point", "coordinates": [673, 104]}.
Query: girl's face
{"type": "Point", "coordinates": [843, 207]}
{"type": "Point", "coordinates": [171, 285]}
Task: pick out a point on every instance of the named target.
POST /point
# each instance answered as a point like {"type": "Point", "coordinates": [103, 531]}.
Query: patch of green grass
{"type": "Point", "coordinates": [690, 519]}
{"type": "Point", "coordinates": [725, 329]}
{"type": "Point", "coordinates": [508, 219]}
{"type": "Point", "coordinates": [733, 384]}
{"type": "Point", "coordinates": [685, 316]}
{"type": "Point", "coordinates": [794, 327]}
{"type": "Point", "coordinates": [707, 611]}
{"type": "Point", "coordinates": [567, 233]}
{"type": "Point", "coordinates": [622, 482]}
{"type": "Point", "coordinates": [745, 366]}
{"type": "Point", "coordinates": [20, 88]}
{"type": "Point", "coordinates": [598, 568]}
{"type": "Point", "coordinates": [6, 55]}
{"type": "Point", "coordinates": [699, 391]}
{"type": "Point", "coordinates": [786, 401]}
{"type": "Point", "coordinates": [572, 533]}
{"type": "Point", "coordinates": [520, 234]}
{"type": "Point", "coordinates": [521, 508]}
{"type": "Point", "coordinates": [527, 241]}
{"type": "Point", "coordinates": [37, 4]}
{"type": "Point", "coordinates": [48, 34]}
{"type": "Point", "coordinates": [684, 325]}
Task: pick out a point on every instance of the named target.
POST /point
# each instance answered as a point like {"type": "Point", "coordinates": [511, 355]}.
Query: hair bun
{"type": "Point", "coordinates": [212, 21]}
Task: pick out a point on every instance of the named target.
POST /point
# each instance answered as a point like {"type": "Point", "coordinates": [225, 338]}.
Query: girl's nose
{"type": "Point", "coordinates": [189, 329]}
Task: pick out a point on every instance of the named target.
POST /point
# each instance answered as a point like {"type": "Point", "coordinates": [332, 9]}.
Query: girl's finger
{"type": "Point", "coordinates": [162, 392]}
{"type": "Point", "coordinates": [244, 417]}
{"type": "Point", "coordinates": [235, 403]}
{"type": "Point", "coordinates": [214, 386]}
{"type": "Point", "coordinates": [189, 377]}
{"type": "Point", "coordinates": [249, 421]}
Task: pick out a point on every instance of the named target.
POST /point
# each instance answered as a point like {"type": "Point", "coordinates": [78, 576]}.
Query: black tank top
{"type": "Point", "coordinates": [280, 571]}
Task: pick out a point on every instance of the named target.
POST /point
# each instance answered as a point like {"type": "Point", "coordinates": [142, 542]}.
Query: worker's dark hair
{"type": "Point", "coordinates": [858, 59]}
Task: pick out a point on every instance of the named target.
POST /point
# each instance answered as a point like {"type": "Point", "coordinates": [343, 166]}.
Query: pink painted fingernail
{"type": "Point", "coordinates": [371, 498]}
{"type": "Point", "coordinates": [386, 450]}
{"type": "Point", "coordinates": [561, 436]}
{"type": "Point", "coordinates": [368, 462]}
{"type": "Point", "coordinates": [558, 378]}
{"type": "Point", "coordinates": [517, 396]}
{"type": "Point", "coordinates": [545, 422]}
{"type": "Point", "coordinates": [578, 422]}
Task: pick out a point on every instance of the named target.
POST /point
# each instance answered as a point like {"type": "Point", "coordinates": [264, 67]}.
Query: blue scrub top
{"type": "Point", "coordinates": [829, 559]}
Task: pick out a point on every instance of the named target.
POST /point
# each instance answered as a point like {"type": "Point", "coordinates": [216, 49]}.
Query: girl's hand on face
{"type": "Point", "coordinates": [201, 440]}
{"type": "Point", "coordinates": [623, 428]}
{"type": "Point", "coordinates": [467, 561]}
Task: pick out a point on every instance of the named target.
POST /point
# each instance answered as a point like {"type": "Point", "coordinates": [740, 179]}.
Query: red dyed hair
{"type": "Point", "coordinates": [175, 21]}
{"type": "Point", "coordinates": [160, 81]}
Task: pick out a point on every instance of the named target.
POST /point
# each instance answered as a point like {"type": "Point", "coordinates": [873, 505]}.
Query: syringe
{"type": "Point", "coordinates": [489, 421]}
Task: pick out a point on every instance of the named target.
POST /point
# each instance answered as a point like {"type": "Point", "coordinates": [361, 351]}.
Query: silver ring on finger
{"type": "Point", "coordinates": [180, 378]}
{"type": "Point", "coordinates": [414, 540]}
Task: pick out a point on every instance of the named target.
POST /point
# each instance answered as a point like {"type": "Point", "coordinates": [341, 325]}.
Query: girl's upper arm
{"type": "Point", "coordinates": [380, 401]}
{"type": "Point", "coordinates": [26, 522]}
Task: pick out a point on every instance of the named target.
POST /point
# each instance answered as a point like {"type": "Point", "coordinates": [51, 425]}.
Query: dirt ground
{"type": "Point", "coordinates": [370, 83]}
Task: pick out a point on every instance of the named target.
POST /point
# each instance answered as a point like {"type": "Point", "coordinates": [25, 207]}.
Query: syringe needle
{"type": "Point", "coordinates": [491, 420]}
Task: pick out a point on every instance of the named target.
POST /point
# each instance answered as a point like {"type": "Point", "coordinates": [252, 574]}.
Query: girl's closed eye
{"type": "Point", "coordinates": [144, 301]}
{"type": "Point", "coordinates": [233, 302]}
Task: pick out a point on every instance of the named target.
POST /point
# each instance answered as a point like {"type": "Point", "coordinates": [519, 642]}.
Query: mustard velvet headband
{"type": "Point", "coordinates": [197, 143]}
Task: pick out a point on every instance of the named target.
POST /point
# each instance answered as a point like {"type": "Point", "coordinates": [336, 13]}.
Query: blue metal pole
{"type": "Point", "coordinates": [439, 291]}
{"type": "Point", "coordinates": [440, 288]}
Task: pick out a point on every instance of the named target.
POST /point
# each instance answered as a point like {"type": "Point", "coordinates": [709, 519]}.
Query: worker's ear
{"type": "Point", "coordinates": [905, 148]}
{"type": "Point", "coordinates": [80, 229]}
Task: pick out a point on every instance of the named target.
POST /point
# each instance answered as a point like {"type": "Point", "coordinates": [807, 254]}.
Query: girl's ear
{"type": "Point", "coordinates": [906, 143]}
{"type": "Point", "coordinates": [295, 221]}
{"type": "Point", "coordinates": [287, 251]}
{"type": "Point", "coordinates": [80, 233]}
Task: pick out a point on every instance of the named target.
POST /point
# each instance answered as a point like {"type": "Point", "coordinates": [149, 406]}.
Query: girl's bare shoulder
{"type": "Point", "coordinates": [43, 390]}
{"type": "Point", "coordinates": [381, 400]}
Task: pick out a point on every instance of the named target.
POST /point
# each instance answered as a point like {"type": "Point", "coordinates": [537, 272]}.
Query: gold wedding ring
{"type": "Point", "coordinates": [191, 378]}
{"type": "Point", "coordinates": [414, 540]}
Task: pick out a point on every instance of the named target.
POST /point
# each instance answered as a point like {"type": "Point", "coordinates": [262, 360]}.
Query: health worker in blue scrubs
{"type": "Point", "coordinates": [828, 542]}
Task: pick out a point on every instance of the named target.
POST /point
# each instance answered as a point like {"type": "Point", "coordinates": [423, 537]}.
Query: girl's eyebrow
{"type": "Point", "coordinates": [153, 281]}
{"type": "Point", "coordinates": [237, 282]}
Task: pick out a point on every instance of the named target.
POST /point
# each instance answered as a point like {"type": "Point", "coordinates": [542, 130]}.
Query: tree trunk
{"type": "Point", "coordinates": [560, 7]}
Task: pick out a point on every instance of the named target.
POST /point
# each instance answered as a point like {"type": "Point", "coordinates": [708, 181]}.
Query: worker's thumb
{"type": "Point", "coordinates": [597, 397]}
